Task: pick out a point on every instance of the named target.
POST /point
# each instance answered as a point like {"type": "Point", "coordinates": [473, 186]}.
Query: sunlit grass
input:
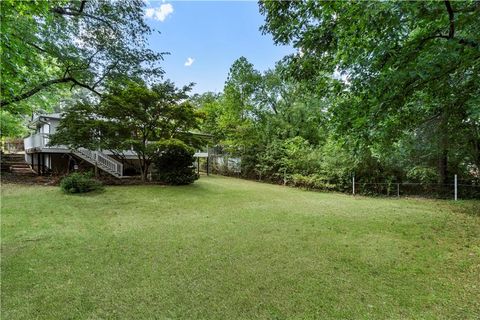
{"type": "Point", "coordinates": [227, 249]}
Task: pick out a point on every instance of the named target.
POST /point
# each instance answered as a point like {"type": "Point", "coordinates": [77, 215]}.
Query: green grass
{"type": "Point", "coordinates": [232, 249]}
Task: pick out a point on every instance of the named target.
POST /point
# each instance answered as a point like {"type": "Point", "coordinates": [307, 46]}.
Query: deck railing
{"type": "Point", "coordinates": [35, 141]}
{"type": "Point", "coordinates": [102, 160]}
{"type": "Point", "coordinates": [40, 141]}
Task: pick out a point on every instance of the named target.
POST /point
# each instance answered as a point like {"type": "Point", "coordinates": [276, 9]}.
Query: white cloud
{"type": "Point", "coordinates": [189, 62]}
{"type": "Point", "coordinates": [160, 13]}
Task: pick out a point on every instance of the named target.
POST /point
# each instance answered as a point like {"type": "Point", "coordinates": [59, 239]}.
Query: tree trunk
{"type": "Point", "coordinates": [443, 166]}
{"type": "Point", "coordinates": [142, 172]}
{"type": "Point", "coordinates": [443, 149]}
{"type": "Point", "coordinates": [145, 172]}
{"type": "Point", "coordinates": [144, 165]}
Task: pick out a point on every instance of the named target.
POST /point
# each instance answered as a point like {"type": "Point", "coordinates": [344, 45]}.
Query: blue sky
{"type": "Point", "coordinates": [213, 34]}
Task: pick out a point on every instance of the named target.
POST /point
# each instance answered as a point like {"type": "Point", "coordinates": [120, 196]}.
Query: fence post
{"type": "Point", "coordinates": [398, 190]}
{"type": "Point", "coordinates": [208, 165]}
{"type": "Point", "coordinates": [455, 187]}
{"type": "Point", "coordinates": [353, 183]}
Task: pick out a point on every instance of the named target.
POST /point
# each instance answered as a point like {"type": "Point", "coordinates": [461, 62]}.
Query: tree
{"type": "Point", "coordinates": [10, 126]}
{"type": "Point", "coordinates": [130, 115]}
{"type": "Point", "coordinates": [258, 114]}
{"type": "Point", "coordinates": [403, 64]}
{"type": "Point", "coordinates": [49, 47]}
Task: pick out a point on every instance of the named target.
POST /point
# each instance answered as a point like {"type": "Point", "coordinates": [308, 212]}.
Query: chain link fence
{"type": "Point", "coordinates": [217, 163]}
{"type": "Point", "coordinates": [464, 190]}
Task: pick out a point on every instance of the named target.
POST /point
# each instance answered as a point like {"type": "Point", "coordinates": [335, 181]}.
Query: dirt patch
{"type": "Point", "coordinates": [54, 180]}
{"type": "Point", "coordinates": [9, 177]}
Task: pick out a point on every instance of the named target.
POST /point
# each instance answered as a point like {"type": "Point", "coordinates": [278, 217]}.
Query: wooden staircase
{"type": "Point", "coordinates": [15, 163]}
{"type": "Point", "coordinates": [101, 160]}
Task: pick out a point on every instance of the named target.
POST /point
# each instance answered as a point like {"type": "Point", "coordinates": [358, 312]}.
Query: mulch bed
{"type": "Point", "coordinates": [8, 177]}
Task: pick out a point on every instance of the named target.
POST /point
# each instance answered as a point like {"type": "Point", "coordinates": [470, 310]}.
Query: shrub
{"type": "Point", "coordinates": [422, 174]}
{"type": "Point", "coordinates": [314, 181]}
{"type": "Point", "coordinates": [80, 183]}
{"type": "Point", "coordinates": [173, 163]}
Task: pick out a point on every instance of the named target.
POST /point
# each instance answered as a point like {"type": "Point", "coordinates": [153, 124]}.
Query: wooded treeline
{"type": "Point", "coordinates": [388, 91]}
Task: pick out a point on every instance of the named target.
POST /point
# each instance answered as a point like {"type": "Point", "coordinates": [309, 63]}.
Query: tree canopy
{"type": "Point", "coordinates": [48, 48]}
{"type": "Point", "coordinates": [130, 116]}
{"type": "Point", "coordinates": [406, 67]}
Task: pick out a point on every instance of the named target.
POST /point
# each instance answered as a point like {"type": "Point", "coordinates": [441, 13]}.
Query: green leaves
{"type": "Point", "coordinates": [407, 64]}
{"type": "Point", "coordinates": [52, 47]}
{"type": "Point", "coordinates": [130, 115]}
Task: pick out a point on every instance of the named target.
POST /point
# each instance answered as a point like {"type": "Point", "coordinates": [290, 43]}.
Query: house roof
{"type": "Point", "coordinates": [57, 116]}
{"type": "Point", "coordinates": [40, 117]}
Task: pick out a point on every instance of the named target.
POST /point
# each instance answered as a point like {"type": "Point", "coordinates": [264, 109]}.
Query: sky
{"type": "Point", "coordinates": [204, 38]}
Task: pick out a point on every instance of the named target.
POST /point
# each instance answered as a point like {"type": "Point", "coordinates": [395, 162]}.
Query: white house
{"type": "Point", "coordinates": [45, 158]}
{"type": "Point", "coordinates": [58, 158]}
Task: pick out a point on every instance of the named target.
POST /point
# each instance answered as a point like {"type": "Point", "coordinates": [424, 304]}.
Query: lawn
{"type": "Point", "coordinates": [226, 248]}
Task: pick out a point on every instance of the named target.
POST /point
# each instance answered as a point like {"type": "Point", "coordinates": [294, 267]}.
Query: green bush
{"type": "Point", "coordinates": [80, 183]}
{"type": "Point", "coordinates": [314, 181]}
{"type": "Point", "coordinates": [173, 163]}
{"type": "Point", "coordinates": [422, 174]}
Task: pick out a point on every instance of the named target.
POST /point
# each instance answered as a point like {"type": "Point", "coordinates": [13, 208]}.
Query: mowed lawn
{"type": "Point", "coordinates": [226, 248]}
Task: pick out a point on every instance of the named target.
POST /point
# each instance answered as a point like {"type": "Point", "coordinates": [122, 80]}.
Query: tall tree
{"type": "Point", "coordinates": [130, 116]}
{"type": "Point", "coordinates": [51, 46]}
{"type": "Point", "coordinates": [404, 64]}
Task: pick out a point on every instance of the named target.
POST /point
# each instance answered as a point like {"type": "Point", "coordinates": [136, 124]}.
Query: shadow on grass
{"type": "Point", "coordinates": [93, 193]}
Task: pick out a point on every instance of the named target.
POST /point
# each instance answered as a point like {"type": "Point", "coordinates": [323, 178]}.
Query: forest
{"type": "Point", "coordinates": [388, 92]}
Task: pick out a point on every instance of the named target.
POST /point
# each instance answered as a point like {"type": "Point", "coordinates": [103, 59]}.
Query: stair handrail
{"type": "Point", "coordinates": [103, 160]}
{"type": "Point", "coordinates": [109, 162]}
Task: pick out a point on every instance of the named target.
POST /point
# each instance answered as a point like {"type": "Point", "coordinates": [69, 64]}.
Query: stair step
{"type": "Point", "coordinates": [15, 163]}
{"type": "Point", "coordinates": [13, 160]}
{"type": "Point", "coordinates": [23, 172]}
{"type": "Point", "coordinates": [13, 156]}
{"type": "Point", "coordinates": [20, 166]}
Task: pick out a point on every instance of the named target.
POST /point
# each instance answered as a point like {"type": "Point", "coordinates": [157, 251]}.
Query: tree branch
{"type": "Point", "coordinates": [78, 13]}
{"type": "Point", "coordinates": [31, 43]}
{"type": "Point", "coordinates": [451, 17]}
{"type": "Point", "coordinates": [82, 6]}
{"type": "Point", "coordinates": [465, 42]}
{"type": "Point", "coordinates": [43, 86]}
{"type": "Point", "coordinates": [78, 83]}
{"type": "Point", "coordinates": [110, 68]}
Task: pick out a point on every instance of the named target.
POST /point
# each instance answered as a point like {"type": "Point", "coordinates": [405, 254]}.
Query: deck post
{"type": "Point", "coordinates": [33, 161]}
{"type": "Point", "coordinates": [43, 164]}
{"type": "Point", "coordinates": [39, 172]}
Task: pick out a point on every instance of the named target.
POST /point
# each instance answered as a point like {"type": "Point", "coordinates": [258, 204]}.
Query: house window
{"type": "Point", "coordinates": [46, 128]}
